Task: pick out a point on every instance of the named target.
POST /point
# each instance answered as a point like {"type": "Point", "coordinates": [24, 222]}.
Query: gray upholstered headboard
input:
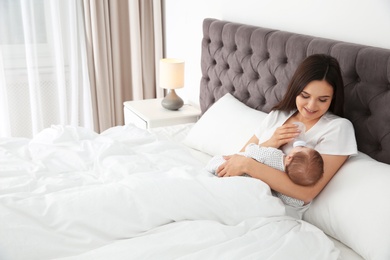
{"type": "Point", "coordinates": [255, 64]}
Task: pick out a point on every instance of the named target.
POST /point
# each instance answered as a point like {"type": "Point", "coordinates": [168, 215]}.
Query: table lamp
{"type": "Point", "coordinates": [171, 78]}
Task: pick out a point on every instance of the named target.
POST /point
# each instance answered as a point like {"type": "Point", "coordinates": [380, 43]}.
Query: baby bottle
{"type": "Point", "coordinates": [300, 139]}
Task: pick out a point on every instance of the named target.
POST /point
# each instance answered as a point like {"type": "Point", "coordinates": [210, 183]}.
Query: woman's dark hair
{"type": "Point", "coordinates": [315, 67]}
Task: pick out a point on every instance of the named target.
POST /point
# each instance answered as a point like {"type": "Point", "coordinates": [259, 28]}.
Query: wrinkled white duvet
{"type": "Point", "coordinates": [70, 193]}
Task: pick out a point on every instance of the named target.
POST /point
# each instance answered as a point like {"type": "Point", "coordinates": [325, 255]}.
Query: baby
{"type": "Point", "coordinates": [303, 165]}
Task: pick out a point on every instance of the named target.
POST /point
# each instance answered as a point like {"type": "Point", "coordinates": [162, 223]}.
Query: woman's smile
{"type": "Point", "coordinates": [309, 110]}
{"type": "Point", "coordinates": [314, 100]}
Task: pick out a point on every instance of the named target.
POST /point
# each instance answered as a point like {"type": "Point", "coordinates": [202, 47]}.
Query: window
{"type": "Point", "coordinates": [21, 24]}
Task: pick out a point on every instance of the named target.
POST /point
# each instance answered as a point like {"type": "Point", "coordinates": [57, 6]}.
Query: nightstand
{"type": "Point", "coordinates": [149, 113]}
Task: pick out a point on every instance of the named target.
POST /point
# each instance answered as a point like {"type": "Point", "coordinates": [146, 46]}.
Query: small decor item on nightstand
{"type": "Point", "coordinates": [171, 78]}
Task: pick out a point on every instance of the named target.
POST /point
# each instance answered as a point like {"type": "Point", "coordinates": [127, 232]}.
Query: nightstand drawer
{"type": "Point", "coordinates": [172, 121]}
{"type": "Point", "coordinates": [130, 117]}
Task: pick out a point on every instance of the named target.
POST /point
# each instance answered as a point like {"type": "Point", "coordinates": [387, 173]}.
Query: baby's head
{"type": "Point", "coordinates": [304, 166]}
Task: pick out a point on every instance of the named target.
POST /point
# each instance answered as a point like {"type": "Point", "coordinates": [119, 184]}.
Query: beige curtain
{"type": "Point", "coordinates": [124, 41]}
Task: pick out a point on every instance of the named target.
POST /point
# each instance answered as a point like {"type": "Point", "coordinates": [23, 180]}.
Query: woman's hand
{"type": "Point", "coordinates": [234, 166]}
{"type": "Point", "coordinates": [282, 135]}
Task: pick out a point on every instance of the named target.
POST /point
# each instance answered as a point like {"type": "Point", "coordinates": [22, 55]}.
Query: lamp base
{"type": "Point", "coordinates": [172, 101]}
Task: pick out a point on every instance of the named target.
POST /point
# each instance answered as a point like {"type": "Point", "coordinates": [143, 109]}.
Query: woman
{"type": "Point", "coordinates": [314, 97]}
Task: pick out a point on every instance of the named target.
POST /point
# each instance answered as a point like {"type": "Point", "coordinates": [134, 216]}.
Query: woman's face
{"type": "Point", "coordinates": [314, 100]}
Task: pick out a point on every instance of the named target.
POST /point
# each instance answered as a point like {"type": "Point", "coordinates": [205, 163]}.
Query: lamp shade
{"type": "Point", "coordinates": [171, 73]}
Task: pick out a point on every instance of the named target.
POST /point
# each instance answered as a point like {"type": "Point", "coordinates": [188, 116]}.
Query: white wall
{"type": "Point", "coordinates": [359, 21]}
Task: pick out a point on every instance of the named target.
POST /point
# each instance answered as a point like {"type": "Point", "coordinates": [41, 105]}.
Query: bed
{"type": "Point", "coordinates": [128, 193]}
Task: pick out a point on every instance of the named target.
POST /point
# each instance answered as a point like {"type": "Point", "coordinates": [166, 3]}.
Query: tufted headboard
{"type": "Point", "coordinates": [255, 64]}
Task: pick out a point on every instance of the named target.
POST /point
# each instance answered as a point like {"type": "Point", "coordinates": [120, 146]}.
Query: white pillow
{"type": "Point", "coordinates": [354, 207]}
{"type": "Point", "coordinates": [225, 127]}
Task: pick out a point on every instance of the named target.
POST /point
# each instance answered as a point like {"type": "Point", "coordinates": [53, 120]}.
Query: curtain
{"type": "Point", "coordinates": [124, 42]}
{"type": "Point", "coordinates": [43, 66]}
{"type": "Point", "coordinates": [75, 62]}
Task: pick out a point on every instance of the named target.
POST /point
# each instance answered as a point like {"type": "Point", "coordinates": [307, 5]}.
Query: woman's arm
{"type": "Point", "coordinates": [279, 181]}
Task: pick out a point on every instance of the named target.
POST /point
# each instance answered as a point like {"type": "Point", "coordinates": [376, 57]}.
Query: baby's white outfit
{"type": "Point", "coordinates": [269, 156]}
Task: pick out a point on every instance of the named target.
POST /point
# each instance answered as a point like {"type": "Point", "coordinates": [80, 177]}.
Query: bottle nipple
{"type": "Point", "coordinates": [300, 139]}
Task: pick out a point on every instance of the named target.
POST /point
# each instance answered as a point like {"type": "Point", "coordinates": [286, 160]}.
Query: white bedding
{"type": "Point", "coordinates": [178, 133]}
{"type": "Point", "coordinates": [126, 194]}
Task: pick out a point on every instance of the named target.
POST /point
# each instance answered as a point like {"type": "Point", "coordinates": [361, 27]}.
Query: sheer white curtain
{"type": "Point", "coordinates": [43, 66]}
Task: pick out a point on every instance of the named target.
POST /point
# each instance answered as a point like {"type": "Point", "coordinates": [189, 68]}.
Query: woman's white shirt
{"type": "Point", "coordinates": [332, 135]}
